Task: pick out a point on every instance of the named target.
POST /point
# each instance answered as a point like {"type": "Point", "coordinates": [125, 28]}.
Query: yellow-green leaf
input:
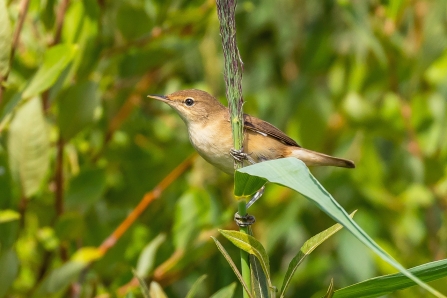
{"type": "Point", "coordinates": [54, 62]}
{"type": "Point", "coordinates": [28, 147]}
{"type": "Point", "coordinates": [5, 39]}
{"type": "Point", "coordinates": [252, 246]}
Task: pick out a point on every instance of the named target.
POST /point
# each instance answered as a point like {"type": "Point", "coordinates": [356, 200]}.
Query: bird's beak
{"type": "Point", "coordinates": [163, 98]}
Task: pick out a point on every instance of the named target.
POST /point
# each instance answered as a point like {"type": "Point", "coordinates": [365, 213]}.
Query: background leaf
{"type": "Point", "coordinates": [8, 215]}
{"type": "Point", "coordinates": [9, 268]}
{"type": "Point", "coordinates": [195, 287]}
{"type": "Point", "coordinates": [76, 107]}
{"type": "Point", "coordinates": [156, 291]}
{"type": "Point", "coordinates": [54, 62]}
{"type": "Point", "coordinates": [59, 279]}
{"type": "Point", "coordinates": [28, 147]}
{"type": "Point", "coordinates": [5, 39]}
{"type": "Point", "coordinates": [225, 292]}
{"type": "Point", "coordinates": [305, 250]}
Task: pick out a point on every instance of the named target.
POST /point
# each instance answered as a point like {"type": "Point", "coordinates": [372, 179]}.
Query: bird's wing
{"type": "Point", "coordinates": [265, 128]}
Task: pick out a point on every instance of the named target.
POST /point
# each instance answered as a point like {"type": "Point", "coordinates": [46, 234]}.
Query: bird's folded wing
{"type": "Point", "coordinates": [265, 128]}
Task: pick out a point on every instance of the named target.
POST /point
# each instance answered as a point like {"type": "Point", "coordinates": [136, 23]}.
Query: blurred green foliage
{"type": "Point", "coordinates": [80, 144]}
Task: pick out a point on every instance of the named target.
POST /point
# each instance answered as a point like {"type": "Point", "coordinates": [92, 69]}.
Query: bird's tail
{"type": "Point", "coordinates": [312, 158]}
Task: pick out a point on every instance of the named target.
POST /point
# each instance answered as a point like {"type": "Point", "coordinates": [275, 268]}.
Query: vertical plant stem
{"type": "Point", "coordinates": [245, 258]}
{"type": "Point", "coordinates": [233, 82]}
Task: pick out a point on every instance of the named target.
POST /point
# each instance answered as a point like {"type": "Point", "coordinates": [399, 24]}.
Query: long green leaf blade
{"type": "Point", "coordinates": [259, 283]}
{"type": "Point", "coordinates": [293, 173]}
{"type": "Point", "coordinates": [305, 250]}
{"type": "Point", "coordinates": [382, 285]}
{"type": "Point", "coordinates": [232, 265]}
{"type": "Point", "coordinates": [330, 290]}
{"type": "Point", "coordinates": [195, 287]}
{"type": "Point", "coordinates": [252, 246]}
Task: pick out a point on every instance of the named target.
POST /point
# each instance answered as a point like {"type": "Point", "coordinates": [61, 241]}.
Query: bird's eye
{"type": "Point", "coordinates": [189, 101]}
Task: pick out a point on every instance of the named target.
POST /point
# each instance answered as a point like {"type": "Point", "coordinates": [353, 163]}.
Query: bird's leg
{"type": "Point", "coordinates": [255, 197]}
{"type": "Point", "coordinates": [244, 221]}
{"type": "Point", "coordinates": [240, 155]}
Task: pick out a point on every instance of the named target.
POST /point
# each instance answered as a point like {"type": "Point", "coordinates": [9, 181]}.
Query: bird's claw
{"type": "Point", "coordinates": [244, 221]}
{"type": "Point", "coordinates": [241, 156]}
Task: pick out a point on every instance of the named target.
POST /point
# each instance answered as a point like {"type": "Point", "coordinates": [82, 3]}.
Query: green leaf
{"type": "Point", "coordinates": [252, 246]}
{"type": "Point", "coordinates": [381, 285]}
{"type": "Point", "coordinates": [54, 62]}
{"type": "Point", "coordinates": [305, 250]}
{"type": "Point", "coordinates": [76, 107]}
{"type": "Point", "coordinates": [259, 284]}
{"type": "Point", "coordinates": [293, 173]}
{"type": "Point", "coordinates": [192, 212]}
{"type": "Point", "coordinates": [6, 113]}
{"type": "Point", "coordinates": [225, 292]}
{"type": "Point", "coordinates": [233, 266]}
{"type": "Point", "coordinates": [60, 278]}
{"type": "Point", "coordinates": [155, 290]}
{"type": "Point", "coordinates": [9, 268]}
{"type": "Point", "coordinates": [85, 189]}
{"type": "Point", "coordinates": [247, 185]}
{"type": "Point", "coordinates": [144, 290]}
{"type": "Point", "coordinates": [28, 147]}
{"type": "Point", "coordinates": [195, 287]}
{"type": "Point", "coordinates": [5, 39]}
{"type": "Point", "coordinates": [330, 290]}
{"type": "Point", "coordinates": [146, 260]}
{"type": "Point", "coordinates": [8, 215]}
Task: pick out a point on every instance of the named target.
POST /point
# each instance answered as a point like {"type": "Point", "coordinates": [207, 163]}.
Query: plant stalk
{"type": "Point", "coordinates": [233, 83]}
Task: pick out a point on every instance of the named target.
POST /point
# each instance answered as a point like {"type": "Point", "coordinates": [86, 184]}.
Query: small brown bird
{"type": "Point", "coordinates": [209, 128]}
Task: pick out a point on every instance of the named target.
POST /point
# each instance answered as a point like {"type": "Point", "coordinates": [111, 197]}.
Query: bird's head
{"type": "Point", "coordinates": [192, 105]}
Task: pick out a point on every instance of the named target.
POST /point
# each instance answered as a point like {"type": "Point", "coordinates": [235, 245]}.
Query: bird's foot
{"type": "Point", "coordinates": [241, 156]}
{"type": "Point", "coordinates": [244, 221]}
{"type": "Point", "coordinates": [256, 197]}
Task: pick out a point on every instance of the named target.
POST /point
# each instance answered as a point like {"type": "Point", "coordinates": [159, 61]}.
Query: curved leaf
{"type": "Point", "coordinates": [379, 286]}
{"type": "Point", "coordinates": [252, 246]}
{"type": "Point", "coordinates": [247, 185]}
{"type": "Point", "coordinates": [147, 257]}
{"type": "Point", "coordinates": [294, 174]}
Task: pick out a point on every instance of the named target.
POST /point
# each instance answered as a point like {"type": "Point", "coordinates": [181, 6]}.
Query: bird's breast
{"type": "Point", "coordinates": [213, 142]}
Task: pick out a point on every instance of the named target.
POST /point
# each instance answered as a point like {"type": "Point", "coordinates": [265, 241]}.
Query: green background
{"type": "Point", "coordinates": [364, 80]}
